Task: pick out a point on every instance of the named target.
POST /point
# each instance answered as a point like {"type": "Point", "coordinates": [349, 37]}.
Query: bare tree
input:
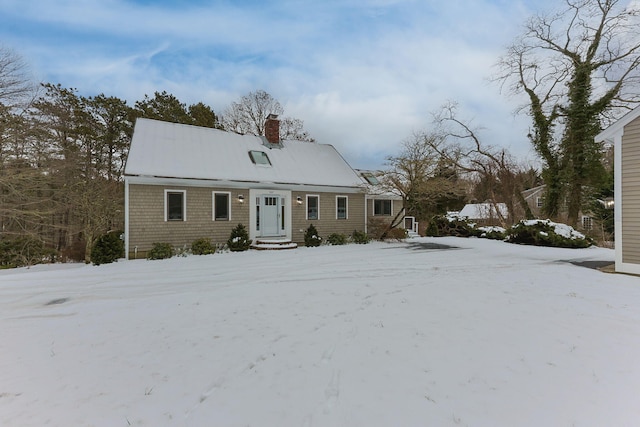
{"type": "Point", "coordinates": [578, 68]}
{"type": "Point", "coordinates": [248, 116]}
{"type": "Point", "coordinates": [422, 178]}
{"type": "Point", "coordinates": [461, 145]}
{"type": "Point", "coordinates": [16, 85]}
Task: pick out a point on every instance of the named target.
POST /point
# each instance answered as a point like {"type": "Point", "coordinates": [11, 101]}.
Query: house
{"type": "Point", "coordinates": [485, 213]}
{"type": "Point", "coordinates": [186, 182]}
{"type": "Point", "coordinates": [535, 199]}
{"type": "Point", "coordinates": [382, 204]}
{"type": "Point", "coordinates": [624, 134]}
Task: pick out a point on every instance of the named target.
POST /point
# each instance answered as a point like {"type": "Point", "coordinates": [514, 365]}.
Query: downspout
{"type": "Point", "coordinates": [366, 205]}
{"type": "Point", "coordinates": [126, 218]}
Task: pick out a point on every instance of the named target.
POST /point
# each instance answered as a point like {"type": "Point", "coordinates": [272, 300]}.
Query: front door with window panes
{"type": "Point", "coordinates": [269, 216]}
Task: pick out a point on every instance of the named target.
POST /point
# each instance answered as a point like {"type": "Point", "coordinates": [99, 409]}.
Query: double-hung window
{"type": "Point", "coordinates": [313, 207]}
{"type": "Point", "coordinates": [341, 207]}
{"type": "Point", "coordinates": [221, 206]}
{"type": "Point", "coordinates": [175, 205]}
{"type": "Point", "coordinates": [382, 207]}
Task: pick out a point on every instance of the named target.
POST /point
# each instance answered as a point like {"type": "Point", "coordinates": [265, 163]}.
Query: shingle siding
{"type": "Point", "coordinates": [146, 217]}
{"type": "Point", "coordinates": [631, 192]}
{"type": "Point", "coordinates": [327, 223]}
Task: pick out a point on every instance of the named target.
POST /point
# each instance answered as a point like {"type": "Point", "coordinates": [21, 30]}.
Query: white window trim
{"type": "Point", "coordinates": [346, 207]}
{"type": "Point", "coordinates": [382, 214]}
{"type": "Point", "coordinates": [306, 215]}
{"type": "Point", "coordinates": [166, 206]}
{"type": "Point", "coordinates": [213, 205]}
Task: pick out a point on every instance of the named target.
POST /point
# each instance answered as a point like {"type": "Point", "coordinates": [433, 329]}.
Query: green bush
{"type": "Point", "coordinates": [311, 237]}
{"type": "Point", "coordinates": [24, 251]}
{"type": "Point", "coordinates": [432, 229]}
{"type": "Point", "coordinates": [202, 246]}
{"type": "Point", "coordinates": [337, 239]}
{"type": "Point", "coordinates": [107, 249]}
{"type": "Point", "coordinates": [160, 251]}
{"type": "Point", "coordinates": [360, 237]}
{"type": "Point", "coordinates": [546, 233]}
{"type": "Point", "coordinates": [492, 232]}
{"type": "Point", "coordinates": [239, 239]}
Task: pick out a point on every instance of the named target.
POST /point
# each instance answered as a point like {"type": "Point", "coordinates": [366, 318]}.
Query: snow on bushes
{"type": "Point", "coordinates": [451, 225]}
{"type": "Point", "coordinates": [239, 240]}
{"type": "Point", "coordinates": [311, 237]}
{"type": "Point", "coordinates": [540, 232]}
{"type": "Point", "coordinates": [492, 232]}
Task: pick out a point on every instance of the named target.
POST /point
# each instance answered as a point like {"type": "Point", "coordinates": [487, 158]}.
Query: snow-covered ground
{"type": "Point", "coordinates": [385, 334]}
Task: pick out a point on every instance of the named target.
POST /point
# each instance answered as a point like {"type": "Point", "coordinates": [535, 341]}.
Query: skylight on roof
{"type": "Point", "coordinates": [371, 179]}
{"type": "Point", "coordinates": [259, 158]}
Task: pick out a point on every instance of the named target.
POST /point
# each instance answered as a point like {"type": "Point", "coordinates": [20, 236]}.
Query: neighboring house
{"type": "Point", "coordinates": [185, 182]}
{"type": "Point", "coordinates": [485, 213]}
{"type": "Point", "coordinates": [535, 199]}
{"type": "Point", "coordinates": [625, 136]}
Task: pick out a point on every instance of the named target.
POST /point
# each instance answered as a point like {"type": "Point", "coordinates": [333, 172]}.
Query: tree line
{"type": "Point", "coordinates": [62, 155]}
{"type": "Point", "coordinates": [578, 68]}
{"type": "Point", "coordinates": [62, 158]}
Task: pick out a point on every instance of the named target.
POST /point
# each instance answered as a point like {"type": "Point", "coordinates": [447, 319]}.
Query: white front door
{"type": "Point", "coordinates": [269, 216]}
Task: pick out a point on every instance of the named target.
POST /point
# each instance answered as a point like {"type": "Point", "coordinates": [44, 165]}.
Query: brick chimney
{"type": "Point", "coordinates": [272, 129]}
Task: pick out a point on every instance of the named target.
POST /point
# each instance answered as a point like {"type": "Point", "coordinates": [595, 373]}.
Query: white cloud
{"type": "Point", "coordinates": [362, 75]}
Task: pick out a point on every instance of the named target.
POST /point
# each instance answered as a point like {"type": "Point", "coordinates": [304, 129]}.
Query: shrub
{"type": "Point", "coordinates": [239, 239]}
{"type": "Point", "coordinates": [380, 229]}
{"type": "Point", "coordinates": [492, 232]}
{"type": "Point", "coordinates": [360, 237]}
{"type": "Point", "coordinates": [107, 249]}
{"type": "Point", "coordinates": [160, 251]}
{"type": "Point", "coordinates": [432, 229]}
{"type": "Point", "coordinates": [202, 246]}
{"type": "Point", "coordinates": [456, 226]}
{"type": "Point", "coordinates": [396, 233]}
{"type": "Point", "coordinates": [311, 237]}
{"type": "Point", "coordinates": [337, 239]}
{"type": "Point", "coordinates": [24, 251]}
{"type": "Point", "coordinates": [377, 228]}
{"type": "Point", "coordinates": [547, 233]}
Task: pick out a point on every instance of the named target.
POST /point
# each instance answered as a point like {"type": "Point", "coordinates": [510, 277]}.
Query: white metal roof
{"type": "Point", "coordinates": [170, 150]}
{"type": "Point", "coordinates": [484, 210]}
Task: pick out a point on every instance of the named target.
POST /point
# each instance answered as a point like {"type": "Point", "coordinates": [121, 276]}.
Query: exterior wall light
{"type": "Point", "coordinates": [299, 200]}
{"type": "Point", "coordinates": [240, 198]}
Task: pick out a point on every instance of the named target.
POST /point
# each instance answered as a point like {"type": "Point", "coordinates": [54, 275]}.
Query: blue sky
{"type": "Point", "coordinates": [362, 74]}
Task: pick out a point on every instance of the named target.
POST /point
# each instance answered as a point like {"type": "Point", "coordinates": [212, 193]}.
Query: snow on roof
{"type": "Point", "coordinates": [483, 210]}
{"type": "Point", "coordinates": [162, 149]}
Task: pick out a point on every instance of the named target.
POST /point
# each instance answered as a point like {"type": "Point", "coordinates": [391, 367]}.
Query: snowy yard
{"type": "Point", "coordinates": [385, 334]}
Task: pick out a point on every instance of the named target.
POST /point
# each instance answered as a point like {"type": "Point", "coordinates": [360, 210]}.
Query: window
{"type": "Point", "coordinates": [259, 158]}
{"type": "Point", "coordinates": [371, 179]}
{"type": "Point", "coordinates": [175, 205]}
{"type": "Point", "coordinates": [313, 207]}
{"type": "Point", "coordinates": [257, 213]}
{"type": "Point", "coordinates": [587, 223]}
{"type": "Point", "coordinates": [539, 202]}
{"type": "Point", "coordinates": [382, 207]}
{"type": "Point", "coordinates": [221, 206]}
{"type": "Point", "coordinates": [341, 207]}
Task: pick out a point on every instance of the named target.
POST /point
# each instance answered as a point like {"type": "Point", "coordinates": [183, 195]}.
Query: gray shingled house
{"type": "Point", "coordinates": [186, 182]}
{"type": "Point", "coordinates": [625, 135]}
